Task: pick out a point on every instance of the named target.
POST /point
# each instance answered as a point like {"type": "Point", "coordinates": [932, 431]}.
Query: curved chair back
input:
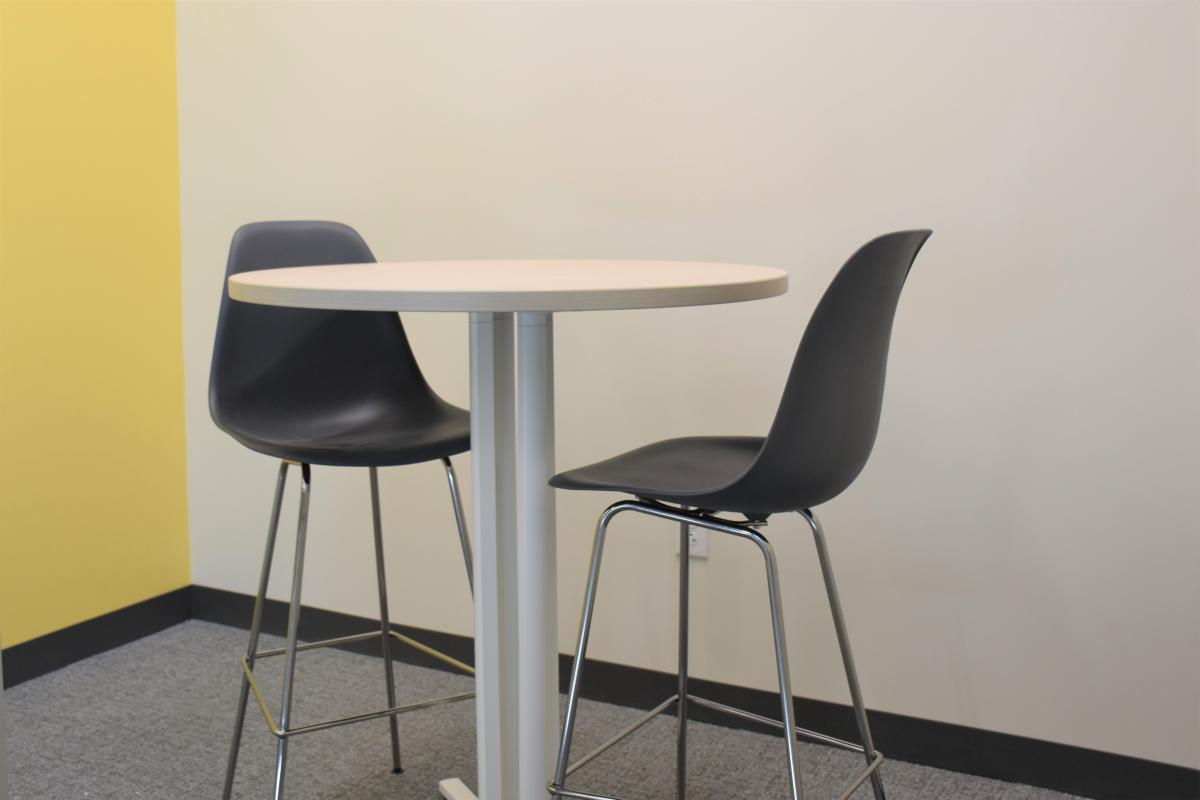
{"type": "Point", "coordinates": [304, 365]}
{"type": "Point", "coordinates": [829, 414]}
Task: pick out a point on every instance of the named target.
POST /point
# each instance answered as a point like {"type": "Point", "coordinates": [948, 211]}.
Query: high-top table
{"type": "Point", "coordinates": [512, 448]}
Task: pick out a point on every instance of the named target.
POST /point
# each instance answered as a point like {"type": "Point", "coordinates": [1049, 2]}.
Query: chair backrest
{"type": "Point", "coordinates": [829, 414]}
{"type": "Point", "coordinates": [301, 364]}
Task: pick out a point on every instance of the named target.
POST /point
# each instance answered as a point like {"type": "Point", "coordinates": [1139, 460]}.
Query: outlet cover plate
{"type": "Point", "coordinates": [698, 542]}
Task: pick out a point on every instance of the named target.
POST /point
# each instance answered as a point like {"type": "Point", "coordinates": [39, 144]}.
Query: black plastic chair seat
{"type": "Point", "coordinates": [827, 419]}
{"type": "Point", "coordinates": [688, 471]}
{"type": "Point", "coordinates": [369, 440]}
{"type": "Point", "coordinates": [337, 388]}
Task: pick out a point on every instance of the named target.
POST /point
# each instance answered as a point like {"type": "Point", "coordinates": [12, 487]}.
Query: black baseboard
{"type": "Point", "coordinates": [231, 608]}
{"type": "Point", "coordinates": [1065, 768]}
{"type": "Point", "coordinates": [56, 650]}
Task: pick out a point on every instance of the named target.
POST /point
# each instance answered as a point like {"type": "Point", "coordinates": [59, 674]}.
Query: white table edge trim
{"type": "Point", "coordinates": [622, 299]}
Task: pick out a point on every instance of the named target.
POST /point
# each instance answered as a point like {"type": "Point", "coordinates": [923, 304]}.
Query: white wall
{"type": "Point", "coordinates": [1021, 554]}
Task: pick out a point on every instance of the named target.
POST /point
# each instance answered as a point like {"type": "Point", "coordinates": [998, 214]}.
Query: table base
{"type": "Point", "coordinates": [454, 789]}
{"type": "Point", "coordinates": [516, 621]}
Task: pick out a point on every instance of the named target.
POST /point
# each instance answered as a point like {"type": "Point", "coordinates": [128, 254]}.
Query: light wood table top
{"type": "Point", "coordinates": [509, 285]}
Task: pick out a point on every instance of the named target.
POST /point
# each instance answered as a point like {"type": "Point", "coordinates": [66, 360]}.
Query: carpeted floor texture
{"type": "Point", "coordinates": [152, 720]}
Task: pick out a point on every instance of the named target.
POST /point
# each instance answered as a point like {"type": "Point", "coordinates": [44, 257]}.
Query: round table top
{"type": "Point", "coordinates": [498, 286]}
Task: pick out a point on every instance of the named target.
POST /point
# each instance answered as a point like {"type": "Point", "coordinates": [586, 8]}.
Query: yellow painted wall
{"type": "Point", "coordinates": [93, 513]}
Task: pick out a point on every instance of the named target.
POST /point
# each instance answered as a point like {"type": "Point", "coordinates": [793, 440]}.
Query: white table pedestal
{"type": "Point", "coordinates": [516, 615]}
{"type": "Point", "coordinates": [537, 591]}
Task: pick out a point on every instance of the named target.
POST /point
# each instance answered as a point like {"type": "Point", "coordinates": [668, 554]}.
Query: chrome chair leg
{"type": "Point", "coordinates": [585, 629]}
{"type": "Point", "coordinates": [460, 519]}
{"type": "Point", "coordinates": [384, 623]}
{"type": "Point", "coordinates": [255, 626]}
{"type": "Point", "coordinates": [682, 711]}
{"type": "Point", "coordinates": [839, 624]}
{"type": "Point", "coordinates": [289, 669]}
{"type": "Point", "coordinates": [781, 665]}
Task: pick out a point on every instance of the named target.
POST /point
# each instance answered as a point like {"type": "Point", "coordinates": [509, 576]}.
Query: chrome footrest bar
{"type": "Point", "coordinates": [862, 776]}
{"type": "Point", "coordinates": [804, 733]}
{"type": "Point", "coordinates": [281, 733]}
{"type": "Point", "coordinates": [628, 729]}
{"type": "Point", "coordinates": [578, 795]}
{"type": "Point", "coordinates": [429, 651]}
{"type": "Point", "coordinates": [362, 637]}
{"type": "Point", "coordinates": [358, 637]}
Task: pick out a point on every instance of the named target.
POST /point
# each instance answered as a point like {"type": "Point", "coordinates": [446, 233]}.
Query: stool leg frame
{"type": "Point", "coordinates": [384, 624]}
{"type": "Point", "coordinates": [460, 519]}
{"type": "Point", "coordinates": [280, 729]}
{"type": "Point", "coordinates": [839, 624]}
{"type": "Point", "coordinates": [293, 630]}
{"type": "Point", "coordinates": [681, 713]}
{"type": "Point", "coordinates": [255, 626]}
{"type": "Point", "coordinates": [681, 700]}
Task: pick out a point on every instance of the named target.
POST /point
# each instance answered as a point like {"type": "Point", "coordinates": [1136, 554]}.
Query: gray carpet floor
{"type": "Point", "coordinates": [152, 720]}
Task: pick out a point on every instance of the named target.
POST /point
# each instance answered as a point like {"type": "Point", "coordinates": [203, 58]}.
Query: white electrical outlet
{"type": "Point", "coordinates": [698, 542]}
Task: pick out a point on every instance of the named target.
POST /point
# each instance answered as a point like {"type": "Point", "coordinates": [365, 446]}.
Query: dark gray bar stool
{"type": "Point", "coordinates": [822, 435]}
{"type": "Point", "coordinates": [335, 388]}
